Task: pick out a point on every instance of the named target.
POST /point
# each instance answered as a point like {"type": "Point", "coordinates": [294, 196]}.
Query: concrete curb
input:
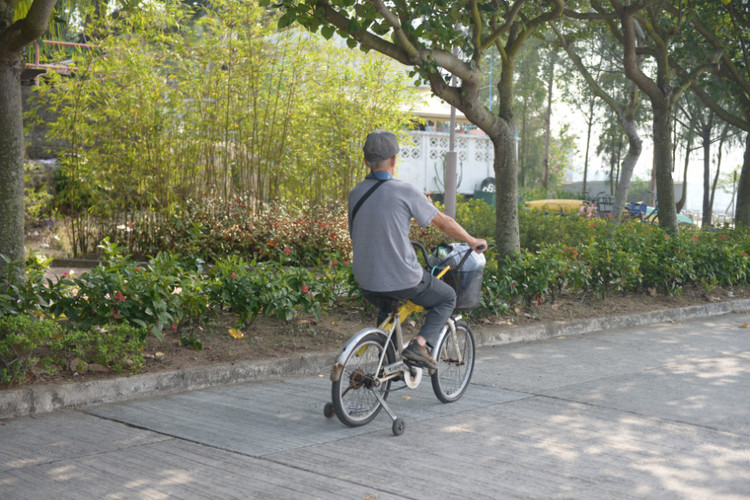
{"type": "Point", "coordinates": [48, 398]}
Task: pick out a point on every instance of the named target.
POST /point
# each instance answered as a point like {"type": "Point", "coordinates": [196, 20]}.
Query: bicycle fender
{"type": "Point", "coordinates": [338, 365]}
{"type": "Point", "coordinates": [447, 328]}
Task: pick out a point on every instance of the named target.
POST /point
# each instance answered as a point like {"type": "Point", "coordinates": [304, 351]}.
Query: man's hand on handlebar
{"type": "Point", "coordinates": [478, 245]}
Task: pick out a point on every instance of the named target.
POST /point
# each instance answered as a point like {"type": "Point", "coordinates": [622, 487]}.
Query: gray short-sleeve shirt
{"type": "Point", "coordinates": [384, 259]}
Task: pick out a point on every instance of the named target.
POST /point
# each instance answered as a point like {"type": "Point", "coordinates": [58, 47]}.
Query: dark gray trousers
{"type": "Point", "coordinates": [436, 296]}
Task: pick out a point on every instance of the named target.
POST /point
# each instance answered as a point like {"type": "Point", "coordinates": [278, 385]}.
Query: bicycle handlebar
{"type": "Point", "coordinates": [460, 263]}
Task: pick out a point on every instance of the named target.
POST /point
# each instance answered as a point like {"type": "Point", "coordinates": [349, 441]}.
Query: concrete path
{"type": "Point", "coordinates": [659, 411]}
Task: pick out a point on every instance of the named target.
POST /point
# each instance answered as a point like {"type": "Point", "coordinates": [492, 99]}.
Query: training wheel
{"type": "Point", "coordinates": [398, 426]}
{"type": "Point", "coordinates": [328, 410]}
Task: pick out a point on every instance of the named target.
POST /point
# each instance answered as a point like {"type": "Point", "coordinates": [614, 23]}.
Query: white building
{"type": "Point", "coordinates": [422, 163]}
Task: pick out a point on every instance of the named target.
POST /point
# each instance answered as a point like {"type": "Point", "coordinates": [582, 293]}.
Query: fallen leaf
{"type": "Point", "coordinates": [405, 397]}
{"type": "Point", "coordinates": [652, 292]}
{"type": "Point", "coordinates": [334, 323]}
{"type": "Point", "coordinates": [744, 325]}
{"type": "Point", "coordinates": [235, 333]}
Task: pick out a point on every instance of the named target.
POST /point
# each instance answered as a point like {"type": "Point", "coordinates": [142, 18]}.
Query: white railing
{"type": "Point", "coordinates": [422, 162]}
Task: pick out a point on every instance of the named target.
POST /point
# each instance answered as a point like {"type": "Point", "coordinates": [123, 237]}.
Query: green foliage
{"type": "Point", "coordinates": [534, 275]}
{"type": "Point", "coordinates": [36, 195]}
{"type": "Point", "coordinates": [108, 312]}
{"type": "Point", "coordinates": [28, 344]}
{"type": "Point", "coordinates": [478, 218]}
{"type": "Point", "coordinates": [21, 336]}
{"type": "Point", "coordinates": [145, 297]}
{"type": "Point", "coordinates": [277, 116]}
{"type": "Point", "coordinates": [579, 253]}
{"type": "Point", "coordinates": [191, 340]}
{"type": "Point", "coordinates": [116, 346]}
{"type": "Point", "coordinates": [538, 229]}
{"type": "Point", "coordinates": [30, 292]}
{"type": "Point", "coordinates": [212, 228]}
{"type": "Point", "coordinates": [610, 265]}
{"type": "Point", "coordinates": [274, 289]}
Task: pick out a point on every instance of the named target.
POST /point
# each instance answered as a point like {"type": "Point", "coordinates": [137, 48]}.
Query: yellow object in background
{"type": "Point", "coordinates": [236, 334]}
{"type": "Point", "coordinates": [565, 206]}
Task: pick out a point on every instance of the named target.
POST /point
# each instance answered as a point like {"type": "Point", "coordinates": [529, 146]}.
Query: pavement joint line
{"type": "Point", "coordinates": [36, 400]}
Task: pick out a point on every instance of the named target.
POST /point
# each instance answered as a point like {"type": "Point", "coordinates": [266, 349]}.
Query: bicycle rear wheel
{"type": "Point", "coordinates": [353, 394]}
{"type": "Point", "coordinates": [455, 360]}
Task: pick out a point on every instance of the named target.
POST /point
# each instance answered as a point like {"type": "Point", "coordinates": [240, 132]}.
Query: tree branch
{"type": "Point", "coordinates": [477, 35]}
{"type": "Point", "coordinates": [692, 78]}
{"type": "Point", "coordinates": [706, 99]}
{"type": "Point", "coordinates": [367, 38]}
{"type": "Point", "coordinates": [554, 13]}
{"type": "Point", "coordinates": [718, 45]}
{"type": "Point", "coordinates": [26, 30]}
{"type": "Point", "coordinates": [578, 63]}
{"type": "Point", "coordinates": [395, 24]}
{"type": "Point", "coordinates": [510, 18]}
{"type": "Point", "coordinates": [630, 58]}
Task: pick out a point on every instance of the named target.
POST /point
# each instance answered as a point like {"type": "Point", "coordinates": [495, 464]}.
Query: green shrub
{"type": "Point", "coordinates": [718, 257]}
{"type": "Point", "coordinates": [116, 346]}
{"type": "Point", "coordinates": [22, 338]}
{"type": "Point", "coordinates": [538, 228]}
{"type": "Point", "coordinates": [122, 290]}
{"type": "Point", "coordinates": [478, 218]}
{"type": "Point", "coordinates": [30, 292]}
{"type": "Point", "coordinates": [665, 265]}
{"type": "Point", "coordinates": [610, 265]}
{"type": "Point", "coordinates": [28, 344]}
{"type": "Point", "coordinates": [275, 289]}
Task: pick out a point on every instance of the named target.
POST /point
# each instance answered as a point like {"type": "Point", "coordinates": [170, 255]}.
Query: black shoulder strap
{"type": "Point", "coordinates": [362, 200]}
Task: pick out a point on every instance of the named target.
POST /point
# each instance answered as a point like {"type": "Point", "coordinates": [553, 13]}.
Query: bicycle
{"type": "Point", "coordinates": [371, 361]}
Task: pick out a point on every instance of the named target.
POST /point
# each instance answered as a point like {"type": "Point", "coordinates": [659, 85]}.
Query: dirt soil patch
{"type": "Point", "coordinates": [270, 338]}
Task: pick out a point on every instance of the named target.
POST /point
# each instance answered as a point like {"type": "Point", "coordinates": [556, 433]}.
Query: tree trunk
{"type": "Point", "coordinates": [521, 160]}
{"type": "Point", "coordinates": [724, 132]}
{"type": "Point", "coordinates": [11, 164]}
{"type": "Point", "coordinates": [742, 217]}
{"type": "Point", "coordinates": [706, 144]}
{"type": "Point", "coordinates": [589, 127]}
{"type": "Point", "coordinates": [501, 131]}
{"type": "Point", "coordinates": [635, 146]}
{"type": "Point", "coordinates": [506, 192]}
{"type": "Point", "coordinates": [548, 123]}
{"type": "Point", "coordinates": [683, 196]}
{"type": "Point", "coordinates": [13, 37]}
{"type": "Point", "coordinates": [662, 125]}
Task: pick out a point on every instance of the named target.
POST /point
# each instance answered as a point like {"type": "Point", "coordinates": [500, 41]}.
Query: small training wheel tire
{"type": "Point", "coordinates": [328, 410]}
{"type": "Point", "coordinates": [399, 425]}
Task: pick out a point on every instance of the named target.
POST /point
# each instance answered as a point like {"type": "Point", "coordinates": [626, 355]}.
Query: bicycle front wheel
{"type": "Point", "coordinates": [353, 394]}
{"type": "Point", "coordinates": [455, 360]}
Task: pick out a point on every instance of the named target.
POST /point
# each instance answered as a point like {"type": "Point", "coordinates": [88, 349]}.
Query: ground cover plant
{"type": "Point", "coordinates": [289, 263]}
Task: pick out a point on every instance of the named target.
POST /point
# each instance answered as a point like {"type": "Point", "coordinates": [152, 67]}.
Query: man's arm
{"type": "Point", "coordinates": [449, 226]}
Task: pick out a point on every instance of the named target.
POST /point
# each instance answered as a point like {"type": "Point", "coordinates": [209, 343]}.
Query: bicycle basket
{"type": "Point", "coordinates": [466, 281]}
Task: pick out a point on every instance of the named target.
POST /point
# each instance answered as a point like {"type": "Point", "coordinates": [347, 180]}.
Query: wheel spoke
{"type": "Point", "coordinates": [455, 365]}
{"type": "Point", "coordinates": [353, 394]}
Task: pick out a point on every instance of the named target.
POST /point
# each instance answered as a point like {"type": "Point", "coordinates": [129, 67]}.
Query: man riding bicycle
{"type": "Point", "coordinates": [384, 263]}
